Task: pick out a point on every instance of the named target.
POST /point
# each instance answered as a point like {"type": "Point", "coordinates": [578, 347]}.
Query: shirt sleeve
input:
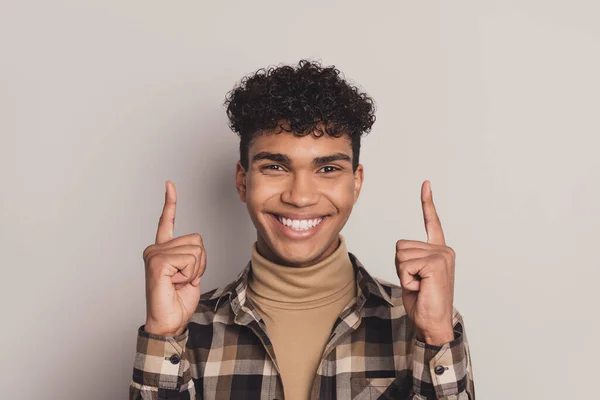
{"type": "Point", "coordinates": [161, 369]}
{"type": "Point", "coordinates": [443, 372]}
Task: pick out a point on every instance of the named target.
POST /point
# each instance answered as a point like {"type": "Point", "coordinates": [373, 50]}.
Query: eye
{"type": "Point", "coordinates": [272, 167]}
{"type": "Point", "coordinates": [330, 168]}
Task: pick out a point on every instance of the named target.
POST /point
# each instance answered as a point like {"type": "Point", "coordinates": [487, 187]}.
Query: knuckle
{"type": "Point", "coordinates": [147, 251]}
{"type": "Point", "coordinates": [401, 244]}
{"type": "Point", "coordinates": [197, 238]}
{"type": "Point", "coordinates": [440, 258]}
{"type": "Point", "coordinates": [447, 257]}
{"type": "Point", "coordinates": [154, 261]}
{"type": "Point", "coordinates": [402, 266]}
{"type": "Point", "coordinates": [403, 253]}
{"type": "Point", "coordinates": [451, 252]}
{"type": "Point", "coordinates": [400, 259]}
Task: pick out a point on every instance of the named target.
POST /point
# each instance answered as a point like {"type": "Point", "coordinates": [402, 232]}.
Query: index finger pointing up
{"type": "Point", "coordinates": [433, 226]}
{"type": "Point", "coordinates": [166, 224]}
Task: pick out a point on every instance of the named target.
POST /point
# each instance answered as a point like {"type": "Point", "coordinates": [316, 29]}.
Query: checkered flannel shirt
{"type": "Point", "coordinates": [372, 353]}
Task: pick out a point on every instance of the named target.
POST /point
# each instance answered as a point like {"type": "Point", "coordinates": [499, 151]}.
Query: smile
{"type": "Point", "coordinates": [299, 224]}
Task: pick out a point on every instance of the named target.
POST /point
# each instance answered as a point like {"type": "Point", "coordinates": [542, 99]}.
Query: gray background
{"type": "Point", "coordinates": [495, 102]}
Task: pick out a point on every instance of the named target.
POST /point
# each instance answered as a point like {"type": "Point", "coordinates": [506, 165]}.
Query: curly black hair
{"type": "Point", "coordinates": [307, 98]}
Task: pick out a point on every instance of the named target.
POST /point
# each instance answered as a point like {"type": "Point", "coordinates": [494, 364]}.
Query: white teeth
{"type": "Point", "coordinates": [300, 225]}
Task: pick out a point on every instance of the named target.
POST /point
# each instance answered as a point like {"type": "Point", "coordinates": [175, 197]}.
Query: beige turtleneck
{"type": "Point", "coordinates": [299, 307]}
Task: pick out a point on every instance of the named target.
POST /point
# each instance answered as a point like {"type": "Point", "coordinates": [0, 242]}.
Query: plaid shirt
{"type": "Point", "coordinates": [372, 353]}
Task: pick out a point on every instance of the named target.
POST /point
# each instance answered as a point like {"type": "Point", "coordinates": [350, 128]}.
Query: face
{"type": "Point", "coordinates": [299, 192]}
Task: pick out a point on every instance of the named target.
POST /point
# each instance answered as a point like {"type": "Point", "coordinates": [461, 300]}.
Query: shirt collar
{"type": "Point", "coordinates": [366, 285]}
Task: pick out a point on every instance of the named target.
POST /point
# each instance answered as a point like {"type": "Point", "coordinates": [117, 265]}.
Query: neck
{"type": "Point", "coordinates": [265, 252]}
{"type": "Point", "coordinates": [319, 282]}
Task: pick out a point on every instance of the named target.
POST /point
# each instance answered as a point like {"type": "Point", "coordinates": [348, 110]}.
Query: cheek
{"type": "Point", "coordinates": [340, 194]}
{"type": "Point", "coordinates": [259, 190]}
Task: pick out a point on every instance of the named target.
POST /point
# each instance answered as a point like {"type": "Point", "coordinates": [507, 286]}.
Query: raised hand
{"type": "Point", "coordinates": [426, 272]}
{"type": "Point", "coordinates": [173, 271]}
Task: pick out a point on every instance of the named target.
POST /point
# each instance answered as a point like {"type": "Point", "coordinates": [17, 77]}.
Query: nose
{"type": "Point", "coordinates": [301, 191]}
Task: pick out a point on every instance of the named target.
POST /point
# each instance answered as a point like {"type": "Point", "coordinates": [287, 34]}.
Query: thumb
{"type": "Point", "coordinates": [190, 294]}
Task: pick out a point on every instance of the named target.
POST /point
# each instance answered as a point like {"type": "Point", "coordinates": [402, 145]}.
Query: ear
{"type": "Point", "coordinates": [240, 180]}
{"type": "Point", "coordinates": [358, 181]}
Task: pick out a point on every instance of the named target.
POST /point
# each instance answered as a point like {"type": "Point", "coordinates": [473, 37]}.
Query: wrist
{"type": "Point", "coordinates": [438, 337]}
{"type": "Point", "coordinates": [156, 330]}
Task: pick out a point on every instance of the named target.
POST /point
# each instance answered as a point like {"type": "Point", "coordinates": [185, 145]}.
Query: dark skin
{"type": "Point", "coordinates": [291, 175]}
{"type": "Point", "coordinates": [303, 178]}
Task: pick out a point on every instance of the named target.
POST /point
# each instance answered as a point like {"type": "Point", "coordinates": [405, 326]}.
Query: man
{"type": "Point", "coordinates": [304, 319]}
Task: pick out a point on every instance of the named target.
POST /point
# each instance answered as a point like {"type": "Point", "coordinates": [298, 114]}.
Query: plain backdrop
{"type": "Point", "coordinates": [496, 102]}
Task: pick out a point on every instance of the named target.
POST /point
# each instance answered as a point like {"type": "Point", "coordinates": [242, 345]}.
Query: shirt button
{"type": "Point", "coordinates": [439, 370]}
{"type": "Point", "coordinates": [174, 359]}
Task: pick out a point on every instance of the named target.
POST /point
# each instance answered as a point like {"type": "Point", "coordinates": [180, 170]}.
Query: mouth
{"type": "Point", "coordinates": [299, 224]}
{"type": "Point", "coordinates": [299, 227]}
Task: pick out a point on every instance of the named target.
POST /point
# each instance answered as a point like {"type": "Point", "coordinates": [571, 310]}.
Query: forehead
{"type": "Point", "coordinates": [300, 147]}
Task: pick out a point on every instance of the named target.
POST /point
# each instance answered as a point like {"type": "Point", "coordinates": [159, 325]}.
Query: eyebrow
{"type": "Point", "coordinates": [283, 159]}
{"type": "Point", "coordinates": [277, 157]}
{"type": "Point", "coordinates": [331, 158]}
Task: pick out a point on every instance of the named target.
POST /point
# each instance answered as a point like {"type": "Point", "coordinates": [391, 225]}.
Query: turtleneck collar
{"type": "Point", "coordinates": [294, 287]}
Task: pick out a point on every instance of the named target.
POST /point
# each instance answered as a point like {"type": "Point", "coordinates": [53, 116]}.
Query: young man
{"type": "Point", "coordinates": [304, 319]}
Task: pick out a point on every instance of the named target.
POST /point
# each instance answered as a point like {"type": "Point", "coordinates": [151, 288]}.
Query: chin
{"type": "Point", "coordinates": [301, 243]}
{"type": "Point", "coordinates": [297, 255]}
{"type": "Point", "coordinates": [302, 251]}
